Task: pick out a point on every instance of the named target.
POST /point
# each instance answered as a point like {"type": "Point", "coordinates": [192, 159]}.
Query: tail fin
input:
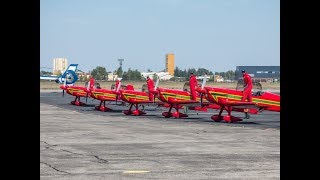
{"type": "Point", "coordinates": [69, 75]}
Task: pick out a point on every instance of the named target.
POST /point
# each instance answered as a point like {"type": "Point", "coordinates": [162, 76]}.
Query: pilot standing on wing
{"type": "Point", "coordinates": [246, 93]}
{"type": "Point", "coordinates": [117, 83]}
{"type": "Point", "coordinates": [150, 83]}
{"type": "Point", "coordinates": [193, 83]}
{"type": "Point", "coordinates": [247, 87]}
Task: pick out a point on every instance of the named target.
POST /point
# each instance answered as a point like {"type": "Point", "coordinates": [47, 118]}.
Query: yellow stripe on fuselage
{"type": "Point", "coordinates": [139, 97]}
{"type": "Point", "coordinates": [217, 95]}
{"type": "Point", "coordinates": [73, 90]}
{"type": "Point", "coordinates": [166, 95]}
{"type": "Point", "coordinates": [108, 95]}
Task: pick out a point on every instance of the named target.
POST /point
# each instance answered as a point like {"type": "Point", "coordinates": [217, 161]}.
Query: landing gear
{"type": "Point", "coordinates": [228, 118]}
{"type": "Point", "coordinates": [247, 116]}
{"type": "Point", "coordinates": [176, 114]}
{"type": "Point", "coordinates": [136, 112]}
{"type": "Point", "coordinates": [77, 102]}
{"type": "Point", "coordinates": [102, 108]}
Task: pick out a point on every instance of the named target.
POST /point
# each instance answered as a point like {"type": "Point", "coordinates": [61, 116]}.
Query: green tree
{"type": "Point", "coordinates": [202, 71]}
{"type": "Point", "coordinates": [132, 75]}
{"type": "Point", "coordinates": [45, 73]}
{"type": "Point", "coordinates": [119, 72]}
{"type": "Point", "coordinates": [177, 72]}
{"type": "Point", "coordinates": [99, 73]}
{"type": "Point", "coordinates": [230, 75]}
{"type": "Point", "coordinates": [154, 77]}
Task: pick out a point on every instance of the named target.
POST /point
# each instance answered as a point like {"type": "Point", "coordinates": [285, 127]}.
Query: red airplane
{"type": "Point", "coordinates": [78, 91]}
{"type": "Point", "coordinates": [106, 95]}
{"type": "Point", "coordinates": [177, 98]}
{"type": "Point", "coordinates": [230, 100]}
{"type": "Point", "coordinates": [136, 98]}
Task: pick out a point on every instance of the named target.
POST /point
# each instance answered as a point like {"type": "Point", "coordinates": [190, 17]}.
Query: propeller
{"type": "Point", "coordinates": [155, 88]}
{"type": "Point", "coordinates": [64, 85]}
{"type": "Point", "coordinates": [154, 98]}
{"type": "Point", "coordinates": [157, 83]}
{"type": "Point", "coordinates": [202, 86]}
{"type": "Point", "coordinates": [204, 81]}
{"type": "Point", "coordinates": [88, 88]}
{"type": "Point", "coordinates": [117, 90]}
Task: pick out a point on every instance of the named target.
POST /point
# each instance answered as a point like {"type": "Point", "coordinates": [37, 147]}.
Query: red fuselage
{"type": "Point", "coordinates": [132, 96]}
{"type": "Point", "coordinates": [268, 101]}
{"type": "Point", "coordinates": [181, 96]}
{"type": "Point", "coordinates": [79, 91]}
{"type": "Point", "coordinates": [104, 94]}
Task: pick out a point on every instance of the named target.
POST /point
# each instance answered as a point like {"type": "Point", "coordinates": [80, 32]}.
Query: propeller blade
{"type": "Point", "coordinates": [157, 83]}
{"type": "Point", "coordinates": [204, 81]}
{"type": "Point", "coordinates": [201, 96]}
{"type": "Point", "coordinates": [87, 97]}
{"type": "Point", "coordinates": [154, 98]}
{"type": "Point", "coordinates": [117, 99]}
{"type": "Point", "coordinates": [64, 85]}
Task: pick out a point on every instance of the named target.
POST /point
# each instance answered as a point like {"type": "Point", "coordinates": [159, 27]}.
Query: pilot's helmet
{"type": "Point", "coordinates": [243, 71]}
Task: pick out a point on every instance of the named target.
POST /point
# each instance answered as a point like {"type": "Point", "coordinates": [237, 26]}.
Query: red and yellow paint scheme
{"type": "Point", "coordinates": [78, 91]}
{"type": "Point", "coordinates": [136, 98]}
{"type": "Point", "coordinates": [230, 100]}
{"type": "Point", "coordinates": [106, 95]}
{"type": "Point", "coordinates": [177, 98]}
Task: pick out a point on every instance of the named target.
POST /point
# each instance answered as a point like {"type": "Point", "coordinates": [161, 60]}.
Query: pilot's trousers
{"type": "Point", "coordinates": [246, 95]}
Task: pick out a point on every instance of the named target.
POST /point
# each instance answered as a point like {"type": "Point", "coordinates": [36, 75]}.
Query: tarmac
{"type": "Point", "coordinates": [82, 143]}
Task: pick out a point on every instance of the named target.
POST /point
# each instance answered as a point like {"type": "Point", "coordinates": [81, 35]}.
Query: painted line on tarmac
{"type": "Point", "coordinates": [135, 172]}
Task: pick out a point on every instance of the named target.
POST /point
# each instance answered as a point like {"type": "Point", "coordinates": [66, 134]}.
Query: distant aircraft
{"type": "Point", "coordinates": [70, 73]}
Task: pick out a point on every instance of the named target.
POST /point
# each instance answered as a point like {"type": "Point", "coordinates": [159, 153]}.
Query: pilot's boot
{"type": "Point", "coordinates": [247, 115]}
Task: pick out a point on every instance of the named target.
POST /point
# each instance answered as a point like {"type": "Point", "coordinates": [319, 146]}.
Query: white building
{"type": "Point", "coordinates": [161, 75]}
{"type": "Point", "coordinates": [112, 76]}
{"type": "Point", "coordinates": [59, 65]}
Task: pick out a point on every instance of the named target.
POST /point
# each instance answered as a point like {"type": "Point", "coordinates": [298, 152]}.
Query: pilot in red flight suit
{"type": "Point", "coordinates": [117, 84]}
{"type": "Point", "coordinates": [91, 82]}
{"type": "Point", "coordinates": [193, 83]}
{"type": "Point", "coordinates": [150, 85]}
{"type": "Point", "coordinates": [247, 84]}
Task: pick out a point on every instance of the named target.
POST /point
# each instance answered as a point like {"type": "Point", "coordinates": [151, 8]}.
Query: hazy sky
{"type": "Point", "coordinates": [214, 34]}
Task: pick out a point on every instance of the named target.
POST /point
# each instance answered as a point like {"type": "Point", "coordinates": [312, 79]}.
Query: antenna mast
{"type": "Point", "coordinates": [120, 62]}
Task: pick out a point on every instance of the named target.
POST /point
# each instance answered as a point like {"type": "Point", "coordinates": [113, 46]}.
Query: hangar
{"type": "Point", "coordinates": [259, 73]}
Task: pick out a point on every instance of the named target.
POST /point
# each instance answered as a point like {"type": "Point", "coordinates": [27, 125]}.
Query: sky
{"type": "Point", "coordinates": [214, 34]}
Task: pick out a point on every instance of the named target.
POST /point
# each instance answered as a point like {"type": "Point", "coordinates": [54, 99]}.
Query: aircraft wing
{"type": "Point", "coordinates": [50, 78]}
{"type": "Point", "coordinates": [139, 101]}
{"type": "Point", "coordinates": [181, 102]}
{"type": "Point", "coordinates": [241, 104]}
